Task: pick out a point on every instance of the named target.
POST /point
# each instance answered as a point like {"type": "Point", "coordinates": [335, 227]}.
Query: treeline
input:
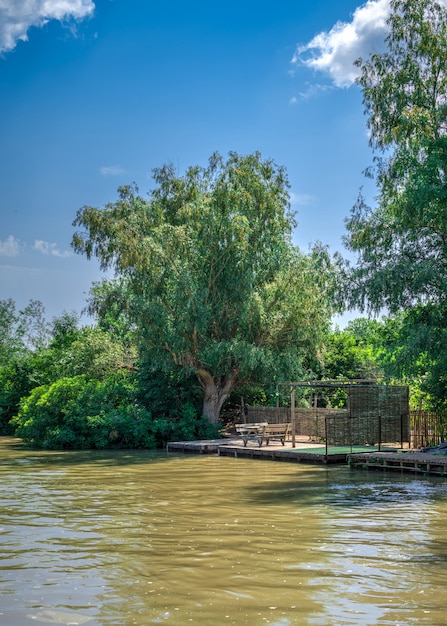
{"type": "Point", "coordinates": [67, 386]}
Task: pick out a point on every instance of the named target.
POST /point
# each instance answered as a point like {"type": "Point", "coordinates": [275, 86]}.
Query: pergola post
{"type": "Point", "coordinates": [292, 415]}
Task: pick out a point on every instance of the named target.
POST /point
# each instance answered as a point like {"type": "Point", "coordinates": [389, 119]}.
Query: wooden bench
{"type": "Point", "coordinates": [280, 432]}
{"type": "Point", "coordinates": [263, 432]}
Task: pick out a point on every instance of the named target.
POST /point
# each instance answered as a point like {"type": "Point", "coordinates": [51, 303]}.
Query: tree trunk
{"type": "Point", "coordinates": [214, 394]}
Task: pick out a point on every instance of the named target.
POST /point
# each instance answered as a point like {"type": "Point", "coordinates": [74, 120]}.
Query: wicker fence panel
{"type": "Point", "coordinates": [339, 430]}
{"type": "Point", "coordinates": [270, 414]}
{"type": "Point", "coordinates": [380, 414]}
{"type": "Point", "coordinates": [311, 423]}
{"type": "Point", "coordinates": [394, 413]}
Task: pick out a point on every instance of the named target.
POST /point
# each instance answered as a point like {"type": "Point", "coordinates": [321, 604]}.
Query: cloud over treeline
{"type": "Point", "coordinates": [334, 52]}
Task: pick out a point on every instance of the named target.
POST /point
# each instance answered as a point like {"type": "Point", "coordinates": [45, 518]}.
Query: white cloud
{"type": "Point", "coordinates": [301, 199]}
{"type": "Point", "coordinates": [10, 247]}
{"type": "Point", "coordinates": [112, 170]}
{"type": "Point", "coordinates": [18, 16]}
{"type": "Point", "coordinates": [311, 91]}
{"type": "Point", "coordinates": [334, 52]}
{"type": "Point", "coordinates": [50, 249]}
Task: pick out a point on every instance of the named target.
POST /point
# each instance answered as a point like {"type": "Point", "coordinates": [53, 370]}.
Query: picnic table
{"type": "Point", "coordinates": [263, 431]}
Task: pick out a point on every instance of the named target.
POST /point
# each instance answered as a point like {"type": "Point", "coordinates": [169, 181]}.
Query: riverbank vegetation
{"type": "Point", "coordinates": [212, 300]}
{"type": "Point", "coordinates": [67, 386]}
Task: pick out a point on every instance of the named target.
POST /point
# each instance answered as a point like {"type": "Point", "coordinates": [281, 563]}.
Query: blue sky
{"type": "Point", "coordinates": [96, 93]}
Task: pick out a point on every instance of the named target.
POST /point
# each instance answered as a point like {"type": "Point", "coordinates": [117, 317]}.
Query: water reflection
{"type": "Point", "coordinates": [140, 538]}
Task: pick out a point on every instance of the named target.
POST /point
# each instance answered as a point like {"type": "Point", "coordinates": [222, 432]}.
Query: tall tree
{"type": "Point", "coordinates": [402, 243]}
{"type": "Point", "coordinates": [21, 331]}
{"type": "Point", "coordinates": [213, 282]}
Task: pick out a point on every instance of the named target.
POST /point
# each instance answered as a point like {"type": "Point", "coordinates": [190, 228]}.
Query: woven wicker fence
{"type": "Point", "coordinates": [270, 414]}
{"type": "Point", "coordinates": [374, 414]}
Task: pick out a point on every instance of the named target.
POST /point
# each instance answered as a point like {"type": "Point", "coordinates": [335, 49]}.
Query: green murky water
{"type": "Point", "coordinates": [141, 538]}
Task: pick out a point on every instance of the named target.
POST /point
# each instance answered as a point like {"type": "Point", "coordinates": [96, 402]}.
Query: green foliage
{"type": "Point", "coordinates": [32, 359]}
{"type": "Point", "coordinates": [77, 413]}
{"type": "Point", "coordinates": [414, 350]}
{"type": "Point", "coordinates": [109, 302]}
{"type": "Point", "coordinates": [188, 427]}
{"type": "Point", "coordinates": [64, 330]}
{"type": "Point", "coordinates": [17, 379]}
{"type": "Point", "coordinates": [95, 353]}
{"type": "Point", "coordinates": [353, 353]}
{"type": "Point", "coordinates": [254, 395]}
{"type": "Point", "coordinates": [165, 393]}
{"type": "Point", "coordinates": [10, 339]}
{"type": "Point", "coordinates": [23, 335]}
{"type": "Point", "coordinates": [82, 413]}
{"type": "Point", "coordinates": [401, 244]}
{"type": "Point", "coordinates": [208, 275]}
{"type": "Point", "coordinates": [21, 331]}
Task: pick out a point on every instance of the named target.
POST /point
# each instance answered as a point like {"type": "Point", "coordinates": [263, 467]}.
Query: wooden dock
{"type": "Point", "coordinates": [408, 461]}
{"type": "Point", "coordinates": [405, 461]}
{"type": "Point", "coordinates": [279, 453]}
{"type": "Point", "coordinates": [303, 452]}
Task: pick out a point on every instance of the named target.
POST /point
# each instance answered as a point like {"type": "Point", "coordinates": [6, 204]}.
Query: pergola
{"type": "Point", "coordinates": [344, 412]}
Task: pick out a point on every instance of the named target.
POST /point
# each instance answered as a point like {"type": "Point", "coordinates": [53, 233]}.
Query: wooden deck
{"type": "Point", "coordinates": [303, 452]}
{"type": "Point", "coordinates": [422, 463]}
{"type": "Point", "coordinates": [406, 461]}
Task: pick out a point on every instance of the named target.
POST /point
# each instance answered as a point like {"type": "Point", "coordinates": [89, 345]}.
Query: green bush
{"type": "Point", "coordinates": [80, 413]}
{"type": "Point", "coordinates": [188, 427]}
{"type": "Point", "coordinates": [166, 393]}
{"type": "Point", "coordinates": [76, 413]}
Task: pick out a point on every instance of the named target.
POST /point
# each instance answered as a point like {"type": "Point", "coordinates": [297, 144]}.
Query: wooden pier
{"type": "Point", "coordinates": [405, 461]}
{"type": "Point", "coordinates": [409, 461]}
{"type": "Point", "coordinates": [277, 453]}
{"type": "Point", "coordinates": [303, 452]}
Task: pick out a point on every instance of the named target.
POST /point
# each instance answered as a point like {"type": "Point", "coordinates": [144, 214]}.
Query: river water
{"type": "Point", "coordinates": [124, 538]}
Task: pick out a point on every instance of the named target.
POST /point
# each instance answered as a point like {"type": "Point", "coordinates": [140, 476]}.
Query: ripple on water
{"type": "Point", "coordinates": [51, 616]}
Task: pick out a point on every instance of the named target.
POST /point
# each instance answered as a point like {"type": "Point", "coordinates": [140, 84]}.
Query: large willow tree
{"type": "Point", "coordinates": [213, 282]}
{"type": "Point", "coordinates": [402, 242]}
